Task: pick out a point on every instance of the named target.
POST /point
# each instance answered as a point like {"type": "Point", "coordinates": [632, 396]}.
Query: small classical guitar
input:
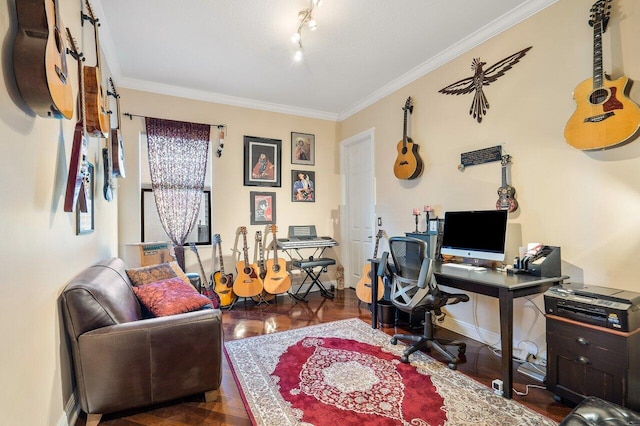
{"type": "Point", "coordinates": [408, 164]}
{"type": "Point", "coordinates": [506, 193]}
{"type": "Point", "coordinates": [77, 189]}
{"type": "Point", "coordinates": [363, 288]}
{"type": "Point", "coordinates": [97, 115]}
{"type": "Point", "coordinates": [247, 283]}
{"type": "Point", "coordinates": [223, 282]}
{"type": "Point", "coordinates": [604, 116]}
{"type": "Point", "coordinates": [117, 148]}
{"type": "Point", "coordinates": [40, 61]}
{"type": "Point", "coordinates": [207, 286]}
{"type": "Point", "coordinates": [277, 279]}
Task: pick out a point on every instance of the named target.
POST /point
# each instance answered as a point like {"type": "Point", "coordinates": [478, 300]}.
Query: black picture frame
{"type": "Point", "coordinates": [303, 192]}
{"type": "Point", "coordinates": [303, 148]}
{"type": "Point", "coordinates": [254, 149]}
{"type": "Point", "coordinates": [85, 221]}
{"type": "Point", "coordinates": [263, 208]}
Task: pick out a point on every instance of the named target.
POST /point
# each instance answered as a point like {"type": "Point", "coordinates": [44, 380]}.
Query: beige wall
{"type": "Point", "coordinates": [585, 202]}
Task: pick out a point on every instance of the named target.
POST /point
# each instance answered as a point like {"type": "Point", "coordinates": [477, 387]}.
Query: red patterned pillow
{"type": "Point", "coordinates": [150, 274]}
{"type": "Point", "coordinates": [169, 297]}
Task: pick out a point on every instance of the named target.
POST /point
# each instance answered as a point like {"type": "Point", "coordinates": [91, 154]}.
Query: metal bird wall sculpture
{"type": "Point", "coordinates": [481, 78]}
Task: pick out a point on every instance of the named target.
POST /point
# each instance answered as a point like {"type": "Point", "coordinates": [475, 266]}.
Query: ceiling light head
{"type": "Point", "coordinates": [317, 3]}
{"type": "Point", "coordinates": [312, 24]}
{"type": "Point", "coordinates": [298, 55]}
{"type": "Point", "coordinates": [295, 38]}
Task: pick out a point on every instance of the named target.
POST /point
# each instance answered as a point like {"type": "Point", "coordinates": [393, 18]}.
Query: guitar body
{"type": "Point", "coordinates": [224, 288]}
{"type": "Point", "coordinates": [604, 117]}
{"type": "Point", "coordinates": [117, 154]}
{"type": "Point", "coordinates": [363, 288]}
{"type": "Point", "coordinates": [97, 117]}
{"type": "Point", "coordinates": [277, 279]}
{"type": "Point", "coordinates": [39, 60]}
{"type": "Point", "coordinates": [408, 164]}
{"type": "Point", "coordinates": [75, 193]}
{"type": "Point", "coordinates": [247, 283]}
{"type": "Point", "coordinates": [506, 199]}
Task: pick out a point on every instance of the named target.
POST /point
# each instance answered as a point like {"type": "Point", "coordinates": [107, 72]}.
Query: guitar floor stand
{"type": "Point", "coordinates": [258, 302]}
{"type": "Point", "coordinates": [308, 266]}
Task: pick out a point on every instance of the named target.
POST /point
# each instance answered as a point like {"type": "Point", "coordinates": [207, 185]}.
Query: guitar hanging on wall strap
{"type": "Point", "coordinates": [506, 192]}
{"type": "Point", "coordinates": [408, 164]}
{"type": "Point", "coordinates": [117, 147]}
{"type": "Point", "coordinates": [363, 288]}
{"type": "Point", "coordinates": [604, 115]}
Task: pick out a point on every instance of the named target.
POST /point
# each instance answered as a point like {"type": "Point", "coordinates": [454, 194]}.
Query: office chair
{"type": "Point", "coordinates": [414, 288]}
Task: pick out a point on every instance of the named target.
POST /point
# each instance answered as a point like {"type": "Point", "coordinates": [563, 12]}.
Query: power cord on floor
{"type": "Point", "coordinates": [527, 387]}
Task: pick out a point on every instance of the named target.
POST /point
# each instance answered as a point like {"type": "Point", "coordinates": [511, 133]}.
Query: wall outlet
{"type": "Point", "coordinates": [498, 387]}
{"type": "Point", "coordinates": [379, 221]}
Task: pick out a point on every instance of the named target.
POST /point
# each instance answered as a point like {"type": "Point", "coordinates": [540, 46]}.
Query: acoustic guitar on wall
{"type": "Point", "coordinates": [247, 283]}
{"type": "Point", "coordinates": [363, 288]}
{"type": "Point", "coordinates": [277, 279]}
{"type": "Point", "coordinates": [40, 61]}
{"type": "Point", "coordinates": [408, 164]}
{"type": "Point", "coordinates": [117, 147]}
{"type": "Point", "coordinates": [604, 116]}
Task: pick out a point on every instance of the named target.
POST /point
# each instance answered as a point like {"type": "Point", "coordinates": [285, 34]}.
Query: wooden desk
{"type": "Point", "coordinates": [504, 287]}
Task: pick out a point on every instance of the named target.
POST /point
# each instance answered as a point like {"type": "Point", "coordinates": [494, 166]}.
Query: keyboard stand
{"type": "Point", "coordinates": [308, 267]}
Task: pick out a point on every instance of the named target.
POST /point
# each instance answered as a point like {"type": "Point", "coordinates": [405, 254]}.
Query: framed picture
{"type": "Point", "coordinates": [262, 165]}
{"type": "Point", "coordinates": [85, 220]}
{"type": "Point", "coordinates": [303, 146]}
{"type": "Point", "coordinates": [263, 208]}
{"type": "Point", "coordinates": [303, 186]}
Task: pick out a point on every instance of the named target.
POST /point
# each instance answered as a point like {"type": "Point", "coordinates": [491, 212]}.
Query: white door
{"type": "Point", "coordinates": [358, 204]}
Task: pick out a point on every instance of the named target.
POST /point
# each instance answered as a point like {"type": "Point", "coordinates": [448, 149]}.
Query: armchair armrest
{"type": "Point", "coordinates": [148, 361]}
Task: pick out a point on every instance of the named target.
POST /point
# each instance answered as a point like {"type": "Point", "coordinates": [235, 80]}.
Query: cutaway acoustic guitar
{"type": "Point", "coordinates": [408, 163]}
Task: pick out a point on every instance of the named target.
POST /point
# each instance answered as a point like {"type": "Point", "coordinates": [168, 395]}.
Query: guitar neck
{"type": "Point", "coordinates": [598, 71]}
{"type": "Point", "coordinates": [504, 175]}
{"type": "Point", "coordinates": [220, 257]}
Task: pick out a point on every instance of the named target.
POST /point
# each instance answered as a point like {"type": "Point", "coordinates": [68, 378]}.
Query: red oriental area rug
{"type": "Point", "coordinates": [346, 373]}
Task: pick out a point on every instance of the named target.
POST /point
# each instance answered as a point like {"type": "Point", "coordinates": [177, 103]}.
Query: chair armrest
{"type": "Point", "coordinates": [426, 273]}
{"type": "Point", "coordinates": [148, 361]}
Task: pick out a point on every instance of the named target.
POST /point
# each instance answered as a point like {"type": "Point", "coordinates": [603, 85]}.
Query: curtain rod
{"type": "Point", "coordinates": [130, 115]}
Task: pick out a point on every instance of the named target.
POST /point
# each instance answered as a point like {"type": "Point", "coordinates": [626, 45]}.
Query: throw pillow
{"type": "Point", "coordinates": [153, 273]}
{"type": "Point", "coordinates": [169, 297]}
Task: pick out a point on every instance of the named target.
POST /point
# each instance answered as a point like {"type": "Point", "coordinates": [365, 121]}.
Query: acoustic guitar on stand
{"type": "Point", "coordinates": [97, 120]}
{"type": "Point", "coordinates": [506, 193]}
{"type": "Point", "coordinates": [40, 61]}
{"type": "Point", "coordinates": [408, 164]}
{"type": "Point", "coordinates": [277, 279]}
{"type": "Point", "coordinates": [262, 272]}
{"type": "Point", "coordinates": [223, 282]}
{"type": "Point", "coordinates": [206, 287]}
{"type": "Point", "coordinates": [247, 283]}
{"type": "Point", "coordinates": [604, 116]}
{"type": "Point", "coordinates": [363, 288]}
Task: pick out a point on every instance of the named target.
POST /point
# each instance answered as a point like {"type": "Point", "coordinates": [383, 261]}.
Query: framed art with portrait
{"type": "Point", "coordinates": [262, 163]}
{"type": "Point", "coordinates": [263, 208]}
{"type": "Point", "coordinates": [303, 186]}
{"type": "Point", "coordinates": [303, 147]}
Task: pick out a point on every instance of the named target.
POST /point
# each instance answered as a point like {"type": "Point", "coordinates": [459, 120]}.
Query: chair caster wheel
{"type": "Point", "coordinates": [405, 359]}
{"type": "Point", "coordinates": [393, 341]}
{"type": "Point", "coordinates": [452, 366]}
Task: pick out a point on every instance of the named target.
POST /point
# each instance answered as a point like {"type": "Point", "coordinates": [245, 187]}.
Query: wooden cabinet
{"type": "Point", "coordinates": [585, 360]}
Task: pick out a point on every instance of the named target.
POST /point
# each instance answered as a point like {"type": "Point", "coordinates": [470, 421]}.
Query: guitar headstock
{"type": "Point", "coordinates": [274, 230]}
{"type": "Point", "coordinates": [90, 15]}
{"type": "Point", "coordinates": [113, 91]}
{"type": "Point", "coordinates": [73, 47]}
{"type": "Point", "coordinates": [505, 159]}
{"type": "Point", "coordinates": [600, 12]}
{"type": "Point", "coordinates": [243, 230]}
{"type": "Point", "coordinates": [408, 105]}
{"type": "Point", "coordinates": [380, 234]}
{"type": "Point", "coordinates": [217, 239]}
{"type": "Point", "coordinates": [258, 235]}
{"type": "Point", "coordinates": [193, 248]}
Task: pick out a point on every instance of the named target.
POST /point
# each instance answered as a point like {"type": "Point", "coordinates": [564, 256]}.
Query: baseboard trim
{"type": "Point", "coordinates": [71, 412]}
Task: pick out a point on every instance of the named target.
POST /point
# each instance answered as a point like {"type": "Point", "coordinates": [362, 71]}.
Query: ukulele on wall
{"type": "Point", "coordinates": [117, 148]}
{"type": "Point", "coordinates": [506, 192]}
{"type": "Point", "coordinates": [223, 282]}
{"type": "Point", "coordinates": [604, 115]}
{"type": "Point", "coordinates": [408, 164]}
{"type": "Point", "coordinates": [247, 283]}
{"type": "Point", "coordinates": [277, 279]}
{"type": "Point", "coordinates": [97, 119]}
{"type": "Point", "coordinates": [363, 288]}
{"type": "Point", "coordinates": [39, 59]}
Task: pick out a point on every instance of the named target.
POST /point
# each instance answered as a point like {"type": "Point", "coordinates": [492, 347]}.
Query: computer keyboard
{"type": "Point", "coordinates": [465, 266]}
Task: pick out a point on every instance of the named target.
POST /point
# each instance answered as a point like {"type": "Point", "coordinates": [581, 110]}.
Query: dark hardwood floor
{"type": "Point", "coordinates": [249, 320]}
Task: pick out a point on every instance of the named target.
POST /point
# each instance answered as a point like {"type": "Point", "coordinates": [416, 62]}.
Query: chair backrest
{"type": "Point", "coordinates": [412, 280]}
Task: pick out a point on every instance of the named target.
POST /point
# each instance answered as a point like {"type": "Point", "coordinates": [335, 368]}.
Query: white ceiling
{"type": "Point", "coordinates": [239, 52]}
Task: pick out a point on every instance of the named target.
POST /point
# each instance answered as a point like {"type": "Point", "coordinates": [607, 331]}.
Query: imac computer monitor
{"type": "Point", "coordinates": [475, 234]}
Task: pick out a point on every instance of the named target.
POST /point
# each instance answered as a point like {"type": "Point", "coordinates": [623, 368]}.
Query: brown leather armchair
{"type": "Point", "coordinates": [122, 360]}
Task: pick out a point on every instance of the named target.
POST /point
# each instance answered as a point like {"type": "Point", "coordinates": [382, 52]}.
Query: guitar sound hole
{"type": "Point", "coordinates": [599, 96]}
{"type": "Point", "coordinates": [404, 150]}
{"type": "Point", "coordinates": [276, 268]}
{"type": "Point", "coordinates": [247, 270]}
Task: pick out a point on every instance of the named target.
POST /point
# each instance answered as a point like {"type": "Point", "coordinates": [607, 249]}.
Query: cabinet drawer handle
{"type": "Point", "coordinates": [583, 360]}
{"type": "Point", "coordinates": [583, 341]}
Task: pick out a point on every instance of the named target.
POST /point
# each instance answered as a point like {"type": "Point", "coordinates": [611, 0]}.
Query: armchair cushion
{"type": "Point", "coordinates": [170, 296]}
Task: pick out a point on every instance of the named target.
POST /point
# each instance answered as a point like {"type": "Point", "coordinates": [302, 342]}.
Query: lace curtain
{"type": "Point", "coordinates": [178, 153]}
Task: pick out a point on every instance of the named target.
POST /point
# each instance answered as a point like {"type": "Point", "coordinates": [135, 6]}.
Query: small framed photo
{"type": "Point", "coordinates": [303, 186]}
{"type": "Point", "coordinates": [303, 146]}
{"type": "Point", "coordinates": [262, 163]}
{"type": "Point", "coordinates": [263, 208]}
{"type": "Point", "coordinates": [85, 220]}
